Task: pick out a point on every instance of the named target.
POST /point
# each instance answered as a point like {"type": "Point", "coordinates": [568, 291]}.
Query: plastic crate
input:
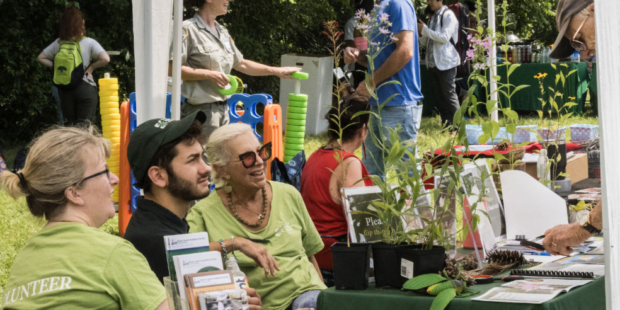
{"type": "Point", "coordinates": [583, 132]}
{"type": "Point", "coordinates": [473, 132]}
{"type": "Point", "coordinates": [548, 134]}
{"type": "Point", "coordinates": [526, 133]}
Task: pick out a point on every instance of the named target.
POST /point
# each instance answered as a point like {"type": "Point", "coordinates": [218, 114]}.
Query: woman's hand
{"type": "Point", "coordinates": [285, 72]}
{"type": "Point", "coordinates": [217, 77]}
{"type": "Point", "coordinates": [253, 299]}
{"type": "Point", "coordinates": [259, 254]}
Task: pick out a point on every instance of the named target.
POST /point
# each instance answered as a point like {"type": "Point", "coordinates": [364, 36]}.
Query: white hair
{"type": "Point", "coordinates": [217, 147]}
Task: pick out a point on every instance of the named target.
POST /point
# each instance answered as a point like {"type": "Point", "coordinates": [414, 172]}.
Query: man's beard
{"type": "Point", "coordinates": [184, 189]}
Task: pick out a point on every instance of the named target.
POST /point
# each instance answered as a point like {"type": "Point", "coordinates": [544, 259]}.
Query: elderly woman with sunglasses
{"type": "Point", "coordinates": [70, 263]}
{"type": "Point", "coordinates": [273, 214]}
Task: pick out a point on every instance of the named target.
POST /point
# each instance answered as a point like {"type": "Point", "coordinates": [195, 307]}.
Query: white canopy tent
{"type": "Point", "coordinates": [151, 47]}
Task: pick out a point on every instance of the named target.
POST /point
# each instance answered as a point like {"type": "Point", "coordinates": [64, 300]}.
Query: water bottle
{"type": "Point", "coordinates": [575, 57]}
{"type": "Point", "coordinates": [541, 166]}
{"type": "Point", "coordinates": [241, 281]}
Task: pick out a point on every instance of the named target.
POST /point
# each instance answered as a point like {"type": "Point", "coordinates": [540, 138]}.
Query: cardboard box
{"type": "Point", "coordinates": [576, 168]}
{"type": "Point", "coordinates": [531, 169]}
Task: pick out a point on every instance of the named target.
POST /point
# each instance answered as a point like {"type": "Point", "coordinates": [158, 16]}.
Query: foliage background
{"type": "Point", "coordinates": [263, 30]}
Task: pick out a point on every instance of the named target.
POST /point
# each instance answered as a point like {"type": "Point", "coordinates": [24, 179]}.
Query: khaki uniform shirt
{"type": "Point", "coordinates": [202, 48]}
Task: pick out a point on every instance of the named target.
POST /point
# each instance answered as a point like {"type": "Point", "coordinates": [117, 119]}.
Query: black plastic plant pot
{"type": "Point", "coordinates": [387, 265]}
{"type": "Point", "coordinates": [414, 261]}
{"type": "Point", "coordinates": [552, 153]}
{"type": "Point", "coordinates": [351, 265]}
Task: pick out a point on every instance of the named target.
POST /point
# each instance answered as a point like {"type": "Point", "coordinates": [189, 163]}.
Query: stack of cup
{"type": "Point", "coordinates": [295, 129]}
{"type": "Point", "coordinates": [111, 122]}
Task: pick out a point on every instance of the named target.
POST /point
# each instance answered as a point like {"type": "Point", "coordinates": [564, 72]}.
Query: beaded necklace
{"type": "Point", "coordinates": [261, 216]}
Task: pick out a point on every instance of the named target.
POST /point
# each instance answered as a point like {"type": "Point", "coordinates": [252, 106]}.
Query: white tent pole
{"type": "Point", "coordinates": [176, 60]}
{"type": "Point", "coordinates": [608, 77]}
{"type": "Point", "coordinates": [151, 28]}
{"type": "Point", "coordinates": [492, 56]}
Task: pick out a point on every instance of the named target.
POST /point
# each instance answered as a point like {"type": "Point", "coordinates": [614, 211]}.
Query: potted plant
{"type": "Point", "coordinates": [351, 261]}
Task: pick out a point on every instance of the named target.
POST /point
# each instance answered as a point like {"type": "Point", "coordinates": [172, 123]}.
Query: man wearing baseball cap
{"type": "Point", "coordinates": [575, 20]}
{"type": "Point", "coordinates": [166, 159]}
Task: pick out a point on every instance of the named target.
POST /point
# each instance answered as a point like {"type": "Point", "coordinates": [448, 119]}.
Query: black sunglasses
{"type": "Point", "coordinates": [248, 159]}
{"type": "Point", "coordinates": [106, 172]}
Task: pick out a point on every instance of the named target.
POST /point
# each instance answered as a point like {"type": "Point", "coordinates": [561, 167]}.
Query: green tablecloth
{"type": "Point", "coordinates": [590, 296]}
{"type": "Point", "coordinates": [526, 99]}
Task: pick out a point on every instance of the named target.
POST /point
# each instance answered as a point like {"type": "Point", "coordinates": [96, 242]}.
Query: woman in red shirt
{"type": "Point", "coordinates": [331, 168]}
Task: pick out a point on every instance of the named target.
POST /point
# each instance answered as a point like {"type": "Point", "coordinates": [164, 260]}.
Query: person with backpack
{"type": "Point", "coordinates": [74, 57]}
{"type": "Point", "coordinates": [442, 58]}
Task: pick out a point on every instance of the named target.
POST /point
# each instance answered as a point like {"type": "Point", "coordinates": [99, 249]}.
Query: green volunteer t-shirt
{"type": "Point", "coordinates": [74, 266]}
{"type": "Point", "coordinates": [292, 238]}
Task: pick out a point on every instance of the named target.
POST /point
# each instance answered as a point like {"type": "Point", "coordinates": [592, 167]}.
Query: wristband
{"type": "Point", "coordinates": [232, 240]}
{"type": "Point", "coordinates": [224, 253]}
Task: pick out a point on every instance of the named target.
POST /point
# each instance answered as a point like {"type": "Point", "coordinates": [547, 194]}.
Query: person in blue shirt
{"type": "Point", "coordinates": [396, 60]}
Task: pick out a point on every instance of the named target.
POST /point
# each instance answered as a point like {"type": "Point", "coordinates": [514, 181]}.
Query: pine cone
{"type": "Point", "coordinates": [452, 268]}
{"type": "Point", "coordinates": [503, 146]}
{"type": "Point", "coordinates": [469, 262]}
{"type": "Point", "coordinates": [507, 258]}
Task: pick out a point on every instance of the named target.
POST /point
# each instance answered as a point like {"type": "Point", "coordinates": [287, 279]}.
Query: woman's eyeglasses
{"type": "Point", "coordinates": [248, 159]}
{"type": "Point", "coordinates": [106, 172]}
{"type": "Point", "coordinates": [576, 44]}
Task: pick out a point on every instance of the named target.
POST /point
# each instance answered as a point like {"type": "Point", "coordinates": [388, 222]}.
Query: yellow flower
{"type": "Point", "coordinates": [571, 98]}
{"type": "Point", "coordinates": [544, 75]}
{"type": "Point", "coordinates": [538, 76]}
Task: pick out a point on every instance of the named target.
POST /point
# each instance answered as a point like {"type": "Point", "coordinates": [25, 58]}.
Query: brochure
{"type": "Point", "coordinates": [195, 263]}
{"type": "Point", "coordinates": [530, 291]}
{"type": "Point", "coordinates": [184, 244]}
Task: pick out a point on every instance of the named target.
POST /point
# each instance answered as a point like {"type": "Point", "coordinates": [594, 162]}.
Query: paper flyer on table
{"type": "Point", "coordinates": [531, 291]}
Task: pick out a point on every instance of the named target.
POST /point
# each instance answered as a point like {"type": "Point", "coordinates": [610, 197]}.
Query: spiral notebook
{"type": "Point", "coordinates": [552, 273]}
{"type": "Point", "coordinates": [566, 268]}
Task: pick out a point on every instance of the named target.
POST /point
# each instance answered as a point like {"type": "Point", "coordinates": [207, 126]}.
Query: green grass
{"type": "Point", "coordinates": [17, 225]}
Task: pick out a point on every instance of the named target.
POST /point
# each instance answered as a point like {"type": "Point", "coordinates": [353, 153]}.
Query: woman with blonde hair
{"type": "Point", "coordinates": [273, 214]}
{"type": "Point", "coordinates": [70, 263]}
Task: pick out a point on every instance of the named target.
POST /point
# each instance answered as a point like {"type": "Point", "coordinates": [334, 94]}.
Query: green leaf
{"type": "Point", "coordinates": [512, 115]}
{"type": "Point", "coordinates": [518, 88]}
{"type": "Point", "coordinates": [444, 298]}
{"type": "Point", "coordinates": [511, 128]}
{"type": "Point", "coordinates": [491, 106]}
{"type": "Point", "coordinates": [495, 130]}
{"type": "Point", "coordinates": [498, 156]}
{"type": "Point", "coordinates": [423, 281]}
{"type": "Point", "coordinates": [512, 68]}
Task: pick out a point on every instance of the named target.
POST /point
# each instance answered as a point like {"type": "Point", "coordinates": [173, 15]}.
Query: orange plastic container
{"type": "Point", "coordinates": [124, 185]}
{"type": "Point", "coordinates": [272, 132]}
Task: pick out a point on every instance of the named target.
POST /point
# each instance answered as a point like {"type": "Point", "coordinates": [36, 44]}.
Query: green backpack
{"type": "Point", "coordinates": [68, 67]}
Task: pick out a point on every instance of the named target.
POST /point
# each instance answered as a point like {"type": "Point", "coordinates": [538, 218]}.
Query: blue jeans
{"type": "Point", "coordinates": [306, 300]}
{"type": "Point", "coordinates": [409, 118]}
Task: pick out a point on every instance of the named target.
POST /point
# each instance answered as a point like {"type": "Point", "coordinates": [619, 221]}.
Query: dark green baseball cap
{"type": "Point", "coordinates": [149, 136]}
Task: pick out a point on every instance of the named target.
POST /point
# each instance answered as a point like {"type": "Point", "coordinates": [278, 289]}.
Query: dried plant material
{"type": "Point", "coordinates": [469, 262]}
{"type": "Point", "coordinates": [494, 268]}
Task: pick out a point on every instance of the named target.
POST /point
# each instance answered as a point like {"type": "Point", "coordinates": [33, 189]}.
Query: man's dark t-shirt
{"type": "Point", "coordinates": [146, 231]}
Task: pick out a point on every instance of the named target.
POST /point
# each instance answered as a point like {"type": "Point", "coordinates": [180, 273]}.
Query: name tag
{"type": "Point", "coordinates": [228, 45]}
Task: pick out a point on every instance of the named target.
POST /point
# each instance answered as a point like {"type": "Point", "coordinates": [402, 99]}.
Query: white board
{"type": "Point", "coordinates": [530, 207]}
